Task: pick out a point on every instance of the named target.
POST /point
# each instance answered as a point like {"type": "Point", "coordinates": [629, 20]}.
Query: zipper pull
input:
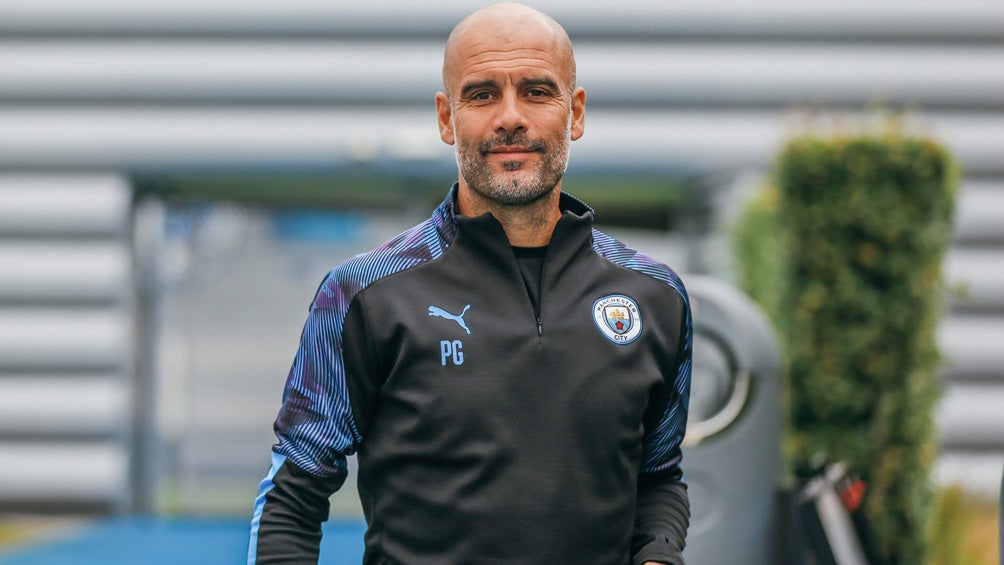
{"type": "Point", "coordinates": [540, 328]}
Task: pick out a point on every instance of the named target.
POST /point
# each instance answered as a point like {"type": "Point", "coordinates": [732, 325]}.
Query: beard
{"type": "Point", "coordinates": [519, 183]}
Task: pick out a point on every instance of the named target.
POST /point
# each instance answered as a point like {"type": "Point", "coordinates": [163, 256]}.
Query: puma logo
{"type": "Point", "coordinates": [459, 319]}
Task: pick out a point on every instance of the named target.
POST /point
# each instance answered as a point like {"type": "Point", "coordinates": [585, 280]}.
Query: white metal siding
{"type": "Point", "coordinates": [66, 340]}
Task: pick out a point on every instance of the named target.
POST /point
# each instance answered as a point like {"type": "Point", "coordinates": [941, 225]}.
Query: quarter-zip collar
{"type": "Point", "coordinates": [571, 235]}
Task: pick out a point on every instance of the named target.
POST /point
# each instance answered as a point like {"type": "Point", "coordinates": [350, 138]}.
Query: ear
{"type": "Point", "coordinates": [578, 125]}
{"type": "Point", "coordinates": [444, 115]}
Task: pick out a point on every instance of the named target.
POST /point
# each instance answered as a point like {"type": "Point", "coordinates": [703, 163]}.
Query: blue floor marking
{"type": "Point", "coordinates": [172, 541]}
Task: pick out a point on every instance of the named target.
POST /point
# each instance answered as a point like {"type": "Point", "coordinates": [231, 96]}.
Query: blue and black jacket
{"type": "Point", "coordinates": [488, 428]}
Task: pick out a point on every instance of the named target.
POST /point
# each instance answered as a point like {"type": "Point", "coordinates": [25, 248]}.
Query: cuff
{"type": "Point", "coordinates": [659, 550]}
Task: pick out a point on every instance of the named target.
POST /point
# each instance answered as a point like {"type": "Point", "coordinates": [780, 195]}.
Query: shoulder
{"type": "Point", "coordinates": [620, 254]}
{"type": "Point", "coordinates": [413, 247]}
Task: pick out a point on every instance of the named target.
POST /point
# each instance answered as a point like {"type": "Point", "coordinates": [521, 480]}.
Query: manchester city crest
{"type": "Point", "coordinates": [618, 319]}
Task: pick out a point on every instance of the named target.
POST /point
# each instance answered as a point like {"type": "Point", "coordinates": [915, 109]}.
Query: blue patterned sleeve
{"type": "Point", "coordinates": [661, 445]}
{"type": "Point", "coordinates": [662, 509]}
{"type": "Point", "coordinates": [315, 426]}
{"type": "Point", "coordinates": [315, 430]}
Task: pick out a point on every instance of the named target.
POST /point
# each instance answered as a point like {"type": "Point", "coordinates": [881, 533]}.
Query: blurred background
{"type": "Point", "coordinates": [177, 178]}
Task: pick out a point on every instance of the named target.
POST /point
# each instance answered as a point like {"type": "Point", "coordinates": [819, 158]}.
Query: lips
{"type": "Point", "coordinates": [511, 152]}
{"type": "Point", "coordinates": [514, 145]}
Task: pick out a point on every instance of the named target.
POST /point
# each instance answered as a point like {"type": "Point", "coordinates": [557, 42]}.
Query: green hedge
{"type": "Point", "coordinates": [845, 255]}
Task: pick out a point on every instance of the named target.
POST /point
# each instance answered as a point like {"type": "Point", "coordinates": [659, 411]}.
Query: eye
{"type": "Point", "coordinates": [483, 95]}
{"type": "Point", "coordinates": [537, 92]}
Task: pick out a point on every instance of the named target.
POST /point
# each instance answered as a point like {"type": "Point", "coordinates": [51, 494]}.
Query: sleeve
{"type": "Point", "coordinates": [662, 511]}
{"type": "Point", "coordinates": [316, 431]}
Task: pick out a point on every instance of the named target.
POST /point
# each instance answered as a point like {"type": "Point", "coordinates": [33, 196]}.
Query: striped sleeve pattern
{"type": "Point", "coordinates": [315, 427]}
{"type": "Point", "coordinates": [661, 446]}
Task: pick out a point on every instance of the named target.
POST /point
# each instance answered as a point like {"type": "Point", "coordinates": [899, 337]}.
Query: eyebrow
{"type": "Point", "coordinates": [540, 82]}
{"type": "Point", "coordinates": [470, 87]}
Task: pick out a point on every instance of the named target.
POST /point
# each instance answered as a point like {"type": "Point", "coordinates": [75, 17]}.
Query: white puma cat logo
{"type": "Point", "coordinates": [459, 319]}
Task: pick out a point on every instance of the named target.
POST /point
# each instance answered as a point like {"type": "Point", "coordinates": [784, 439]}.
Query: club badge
{"type": "Point", "coordinates": [618, 319]}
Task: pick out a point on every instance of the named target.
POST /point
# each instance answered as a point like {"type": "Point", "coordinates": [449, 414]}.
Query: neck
{"type": "Point", "coordinates": [528, 225]}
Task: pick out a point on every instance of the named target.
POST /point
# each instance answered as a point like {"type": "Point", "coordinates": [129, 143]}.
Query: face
{"type": "Point", "coordinates": [511, 114]}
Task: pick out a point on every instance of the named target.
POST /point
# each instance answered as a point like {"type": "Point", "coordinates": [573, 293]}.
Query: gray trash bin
{"type": "Point", "coordinates": [731, 456]}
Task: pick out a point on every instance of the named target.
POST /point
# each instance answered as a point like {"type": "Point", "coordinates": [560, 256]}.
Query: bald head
{"type": "Point", "coordinates": [506, 25]}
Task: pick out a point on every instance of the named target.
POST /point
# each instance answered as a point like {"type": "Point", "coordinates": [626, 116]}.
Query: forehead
{"type": "Point", "coordinates": [482, 52]}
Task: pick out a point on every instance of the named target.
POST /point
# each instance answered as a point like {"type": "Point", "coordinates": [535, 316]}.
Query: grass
{"type": "Point", "coordinates": [12, 532]}
{"type": "Point", "coordinates": [19, 529]}
{"type": "Point", "coordinates": [964, 529]}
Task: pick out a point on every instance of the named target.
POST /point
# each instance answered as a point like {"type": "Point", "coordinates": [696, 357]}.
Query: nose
{"type": "Point", "coordinates": [511, 117]}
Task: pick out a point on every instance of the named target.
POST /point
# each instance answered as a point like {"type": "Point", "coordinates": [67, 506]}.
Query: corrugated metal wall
{"type": "Point", "coordinates": [66, 341]}
{"type": "Point", "coordinates": [120, 87]}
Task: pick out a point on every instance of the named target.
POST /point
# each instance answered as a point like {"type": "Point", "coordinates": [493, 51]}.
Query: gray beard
{"type": "Point", "coordinates": [508, 189]}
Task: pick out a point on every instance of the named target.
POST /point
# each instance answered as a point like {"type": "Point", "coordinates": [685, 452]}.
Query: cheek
{"type": "Point", "coordinates": [552, 118]}
{"type": "Point", "coordinates": [467, 131]}
{"type": "Point", "coordinates": [465, 139]}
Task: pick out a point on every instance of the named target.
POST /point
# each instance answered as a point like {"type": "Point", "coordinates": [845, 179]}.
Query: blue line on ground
{"type": "Point", "coordinates": [172, 541]}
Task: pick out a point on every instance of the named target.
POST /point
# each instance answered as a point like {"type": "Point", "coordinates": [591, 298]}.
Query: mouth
{"type": "Point", "coordinates": [511, 150]}
{"type": "Point", "coordinates": [515, 147]}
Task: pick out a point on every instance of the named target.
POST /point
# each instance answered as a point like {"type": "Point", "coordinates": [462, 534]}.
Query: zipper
{"type": "Point", "coordinates": [534, 310]}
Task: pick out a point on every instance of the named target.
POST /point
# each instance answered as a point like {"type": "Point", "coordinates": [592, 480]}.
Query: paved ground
{"type": "Point", "coordinates": [157, 541]}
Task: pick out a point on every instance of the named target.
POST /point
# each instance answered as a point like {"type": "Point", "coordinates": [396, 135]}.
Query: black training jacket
{"type": "Point", "coordinates": [484, 432]}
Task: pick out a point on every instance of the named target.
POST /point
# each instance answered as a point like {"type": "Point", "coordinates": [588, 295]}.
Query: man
{"type": "Point", "coordinates": [515, 383]}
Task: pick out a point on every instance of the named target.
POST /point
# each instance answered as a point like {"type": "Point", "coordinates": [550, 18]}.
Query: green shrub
{"type": "Point", "coordinates": [848, 265]}
{"type": "Point", "coordinates": [757, 242]}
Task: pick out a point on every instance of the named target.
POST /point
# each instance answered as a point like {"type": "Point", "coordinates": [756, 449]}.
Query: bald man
{"type": "Point", "coordinates": [513, 381]}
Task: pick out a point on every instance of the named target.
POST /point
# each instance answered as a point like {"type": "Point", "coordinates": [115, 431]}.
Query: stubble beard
{"type": "Point", "coordinates": [519, 183]}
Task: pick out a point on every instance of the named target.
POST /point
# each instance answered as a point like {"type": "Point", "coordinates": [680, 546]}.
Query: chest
{"type": "Point", "coordinates": [469, 355]}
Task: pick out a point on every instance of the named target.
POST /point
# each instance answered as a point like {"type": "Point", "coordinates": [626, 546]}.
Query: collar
{"type": "Point", "coordinates": [484, 237]}
{"type": "Point", "coordinates": [445, 218]}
